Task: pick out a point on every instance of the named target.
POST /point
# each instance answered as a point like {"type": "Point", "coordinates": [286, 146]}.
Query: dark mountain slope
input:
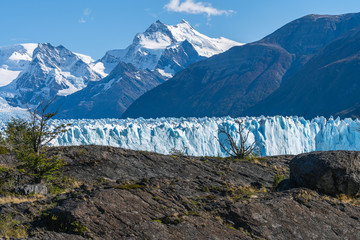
{"type": "Point", "coordinates": [229, 83]}
{"type": "Point", "coordinates": [328, 84]}
{"type": "Point", "coordinates": [196, 90]}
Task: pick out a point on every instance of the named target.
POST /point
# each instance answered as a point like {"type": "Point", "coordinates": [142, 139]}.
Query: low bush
{"type": "Point", "coordinates": [277, 179]}
{"type": "Point", "coordinates": [11, 228]}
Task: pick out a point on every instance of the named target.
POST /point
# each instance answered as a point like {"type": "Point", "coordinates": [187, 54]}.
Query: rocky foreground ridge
{"type": "Point", "coordinates": [124, 194]}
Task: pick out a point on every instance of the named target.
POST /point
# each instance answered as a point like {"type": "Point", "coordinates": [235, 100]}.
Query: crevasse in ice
{"type": "Point", "coordinates": [198, 136]}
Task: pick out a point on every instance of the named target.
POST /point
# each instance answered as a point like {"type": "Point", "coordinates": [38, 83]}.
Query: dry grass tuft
{"type": "Point", "coordinates": [22, 199]}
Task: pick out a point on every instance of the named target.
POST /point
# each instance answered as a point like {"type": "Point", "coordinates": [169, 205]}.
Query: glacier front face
{"type": "Point", "coordinates": [198, 136]}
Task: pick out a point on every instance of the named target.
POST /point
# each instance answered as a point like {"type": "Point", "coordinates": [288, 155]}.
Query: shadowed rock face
{"type": "Point", "coordinates": [129, 194]}
{"type": "Point", "coordinates": [333, 172]}
{"type": "Point", "coordinates": [230, 83]}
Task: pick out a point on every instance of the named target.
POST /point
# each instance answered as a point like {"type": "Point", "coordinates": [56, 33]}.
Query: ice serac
{"type": "Point", "coordinates": [47, 71]}
{"type": "Point", "coordinates": [161, 45]}
{"type": "Point", "coordinates": [198, 136]}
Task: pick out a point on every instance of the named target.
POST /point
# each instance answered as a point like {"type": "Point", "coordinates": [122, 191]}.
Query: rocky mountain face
{"type": "Point", "coordinates": [47, 72]}
{"type": "Point", "coordinates": [327, 85]}
{"type": "Point", "coordinates": [125, 194]}
{"type": "Point", "coordinates": [110, 96]}
{"type": "Point", "coordinates": [232, 82]}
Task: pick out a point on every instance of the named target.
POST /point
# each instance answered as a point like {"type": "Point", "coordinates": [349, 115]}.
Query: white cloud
{"type": "Point", "coordinates": [189, 6]}
{"type": "Point", "coordinates": [82, 20]}
{"type": "Point", "coordinates": [85, 16]}
{"type": "Point", "coordinates": [87, 11]}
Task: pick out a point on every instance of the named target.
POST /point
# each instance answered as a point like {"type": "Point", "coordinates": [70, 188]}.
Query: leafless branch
{"type": "Point", "coordinates": [229, 144]}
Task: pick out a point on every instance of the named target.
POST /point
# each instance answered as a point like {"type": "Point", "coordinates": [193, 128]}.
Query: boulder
{"type": "Point", "coordinates": [40, 189]}
{"type": "Point", "coordinates": [331, 172]}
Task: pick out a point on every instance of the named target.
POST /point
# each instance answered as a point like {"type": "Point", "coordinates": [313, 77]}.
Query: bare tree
{"type": "Point", "coordinates": [244, 149]}
{"type": "Point", "coordinates": [42, 133]}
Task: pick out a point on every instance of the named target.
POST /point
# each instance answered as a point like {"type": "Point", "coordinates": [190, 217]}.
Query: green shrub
{"type": "Point", "coordinates": [277, 179]}
{"type": "Point", "coordinates": [4, 150]}
{"type": "Point", "coordinates": [129, 186]}
{"type": "Point", "coordinates": [10, 228]}
{"type": "Point", "coordinates": [40, 167]}
{"type": "Point", "coordinates": [157, 220]}
{"type": "Point", "coordinates": [4, 169]}
{"type": "Point", "coordinates": [78, 228]}
{"type": "Point", "coordinates": [205, 189]}
{"type": "Point", "coordinates": [60, 223]}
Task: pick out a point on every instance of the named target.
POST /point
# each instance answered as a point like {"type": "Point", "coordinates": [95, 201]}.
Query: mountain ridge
{"type": "Point", "coordinates": [154, 55]}
{"type": "Point", "coordinates": [231, 82]}
{"type": "Point", "coordinates": [43, 71]}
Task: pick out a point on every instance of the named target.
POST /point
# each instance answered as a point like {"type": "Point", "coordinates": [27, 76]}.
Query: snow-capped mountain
{"type": "Point", "coordinates": [153, 57]}
{"type": "Point", "coordinates": [160, 45]}
{"type": "Point", "coordinates": [29, 72]}
{"type": "Point", "coordinates": [42, 70]}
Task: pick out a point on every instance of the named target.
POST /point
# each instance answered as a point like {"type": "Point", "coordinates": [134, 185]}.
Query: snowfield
{"type": "Point", "coordinates": [198, 136]}
{"type": "Point", "coordinates": [13, 60]}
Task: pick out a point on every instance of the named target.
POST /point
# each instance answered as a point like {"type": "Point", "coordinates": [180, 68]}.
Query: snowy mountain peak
{"type": "Point", "coordinates": [159, 48]}
{"type": "Point", "coordinates": [156, 26]}
{"type": "Point", "coordinates": [184, 24]}
{"type": "Point", "coordinates": [157, 36]}
{"type": "Point", "coordinates": [184, 21]}
{"type": "Point", "coordinates": [203, 44]}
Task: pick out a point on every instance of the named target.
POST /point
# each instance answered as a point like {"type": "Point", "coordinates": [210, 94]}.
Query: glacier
{"type": "Point", "coordinates": [198, 136]}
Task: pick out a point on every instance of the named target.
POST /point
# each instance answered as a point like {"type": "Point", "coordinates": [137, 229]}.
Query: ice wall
{"type": "Point", "coordinates": [198, 136]}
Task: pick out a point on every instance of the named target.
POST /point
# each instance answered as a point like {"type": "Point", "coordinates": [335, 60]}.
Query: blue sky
{"type": "Point", "coordinates": [93, 27]}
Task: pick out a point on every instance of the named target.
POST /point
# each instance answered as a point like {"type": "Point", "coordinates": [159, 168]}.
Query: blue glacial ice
{"type": "Point", "coordinates": [198, 136]}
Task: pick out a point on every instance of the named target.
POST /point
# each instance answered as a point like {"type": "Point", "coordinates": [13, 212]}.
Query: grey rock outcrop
{"type": "Point", "coordinates": [34, 188]}
{"type": "Point", "coordinates": [333, 172]}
